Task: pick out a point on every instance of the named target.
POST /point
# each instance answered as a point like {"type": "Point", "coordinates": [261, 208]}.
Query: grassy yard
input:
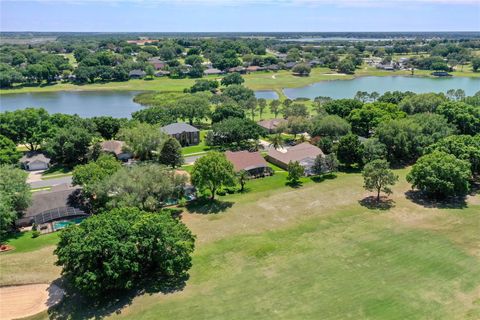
{"type": "Point", "coordinates": [318, 252]}
{"type": "Point", "coordinates": [199, 148]}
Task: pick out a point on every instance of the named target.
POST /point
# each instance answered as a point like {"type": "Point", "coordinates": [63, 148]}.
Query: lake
{"type": "Point", "coordinates": [338, 89]}
{"type": "Point", "coordinates": [118, 104]}
{"type": "Point", "coordinates": [266, 94]}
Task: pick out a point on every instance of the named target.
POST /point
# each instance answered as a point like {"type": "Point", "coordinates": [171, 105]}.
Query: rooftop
{"type": "Point", "coordinates": [34, 156]}
{"type": "Point", "coordinates": [114, 146]}
{"type": "Point", "coordinates": [244, 160]}
{"type": "Point", "coordinates": [179, 127]}
{"type": "Point", "coordinates": [296, 153]}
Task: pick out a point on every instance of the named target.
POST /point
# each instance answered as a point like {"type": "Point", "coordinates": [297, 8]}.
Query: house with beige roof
{"type": "Point", "coordinates": [305, 153]}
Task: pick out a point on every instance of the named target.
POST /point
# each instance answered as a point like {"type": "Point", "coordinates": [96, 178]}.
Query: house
{"type": "Point", "coordinates": [35, 161]}
{"type": "Point", "coordinates": [116, 147]}
{"type": "Point", "coordinates": [271, 125]}
{"type": "Point", "coordinates": [305, 153]}
{"type": "Point", "coordinates": [54, 209]}
{"type": "Point", "coordinates": [290, 65]}
{"type": "Point", "coordinates": [238, 69]}
{"type": "Point", "coordinates": [254, 68]}
{"type": "Point", "coordinates": [158, 65]}
{"type": "Point", "coordinates": [252, 162]}
{"type": "Point", "coordinates": [162, 73]}
{"type": "Point", "coordinates": [186, 134]}
{"type": "Point", "coordinates": [273, 67]}
{"type": "Point", "coordinates": [213, 71]}
{"type": "Point", "coordinates": [136, 74]}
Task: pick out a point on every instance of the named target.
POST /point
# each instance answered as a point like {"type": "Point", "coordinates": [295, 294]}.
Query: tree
{"type": "Point", "coordinates": [298, 125]}
{"type": "Point", "coordinates": [463, 147]}
{"type": "Point", "coordinates": [171, 153]}
{"type": "Point", "coordinates": [440, 175]}
{"type": "Point", "coordinates": [331, 126]}
{"type": "Point", "coordinates": [146, 186]}
{"type": "Point", "coordinates": [242, 177]}
{"type": "Point", "coordinates": [15, 196]}
{"type": "Point", "coordinates": [262, 103]}
{"type": "Point", "coordinates": [29, 126]}
{"type": "Point", "coordinates": [69, 146]}
{"type": "Point", "coordinates": [235, 131]}
{"type": "Point", "coordinates": [325, 164]}
{"type": "Point", "coordinates": [238, 93]}
{"type": "Point", "coordinates": [275, 107]}
{"type": "Point", "coordinates": [295, 172]}
{"type": "Point", "coordinates": [373, 150]}
{"type": "Point", "coordinates": [232, 78]}
{"type": "Point", "coordinates": [124, 248]}
{"type": "Point", "coordinates": [346, 66]}
{"type": "Point", "coordinates": [366, 118]}
{"type": "Point", "coordinates": [475, 64]}
{"type": "Point", "coordinates": [107, 126]}
{"type": "Point", "coordinates": [277, 141]}
{"type": "Point", "coordinates": [8, 151]}
{"type": "Point", "coordinates": [350, 150]}
{"type": "Point", "coordinates": [378, 177]}
{"type": "Point", "coordinates": [301, 69]}
{"type": "Point", "coordinates": [212, 172]}
{"type": "Point", "coordinates": [143, 140]}
{"type": "Point", "coordinates": [295, 110]}
{"type": "Point", "coordinates": [464, 116]}
{"type": "Point", "coordinates": [150, 71]}
{"type": "Point", "coordinates": [227, 110]}
{"type": "Point", "coordinates": [342, 107]}
{"type": "Point", "coordinates": [204, 85]}
{"type": "Point", "coordinates": [193, 107]}
{"type": "Point", "coordinates": [155, 115]}
{"type": "Point", "coordinates": [425, 102]}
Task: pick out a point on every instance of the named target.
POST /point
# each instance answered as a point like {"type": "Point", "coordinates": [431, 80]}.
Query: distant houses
{"type": "Point", "coordinates": [212, 71]}
{"type": "Point", "coordinates": [305, 153]}
{"type": "Point", "coordinates": [137, 74]}
{"type": "Point", "coordinates": [32, 161]}
{"type": "Point", "coordinates": [186, 134]}
{"type": "Point", "coordinates": [252, 162]}
{"type": "Point", "coordinates": [272, 125]}
{"type": "Point", "coordinates": [116, 148]}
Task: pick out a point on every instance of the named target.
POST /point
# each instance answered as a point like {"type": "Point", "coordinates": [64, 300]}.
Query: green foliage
{"type": "Point", "coordinates": [366, 118]}
{"type": "Point", "coordinates": [424, 102]}
{"type": "Point", "coordinates": [171, 153]}
{"type": "Point", "coordinates": [8, 151]}
{"type": "Point", "coordinates": [295, 172]}
{"type": "Point", "coordinates": [203, 85]}
{"type": "Point", "coordinates": [462, 147]}
{"type": "Point", "coordinates": [107, 126]}
{"type": "Point", "coordinates": [350, 150]}
{"type": "Point", "coordinates": [394, 97]}
{"type": "Point", "coordinates": [211, 172]}
{"type": "Point", "coordinates": [242, 177]}
{"type": "Point", "coordinates": [346, 66]}
{"type": "Point", "coordinates": [227, 110]}
{"type": "Point", "coordinates": [232, 78]}
{"type": "Point", "coordinates": [465, 117]}
{"type": "Point", "coordinates": [193, 107]}
{"type": "Point", "coordinates": [331, 126]}
{"type": "Point", "coordinates": [440, 175]}
{"type": "Point", "coordinates": [235, 132]}
{"type": "Point", "coordinates": [28, 126]}
{"type": "Point", "coordinates": [145, 186]}
{"type": "Point", "coordinates": [155, 115]}
{"type": "Point", "coordinates": [275, 107]}
{"type": "Point", "coordinates": [143, 140]}
{"type": "Point", "coordinates": [325, 164]}
{"type": "Point", "coordinates": [373, 149]}
{"type": "Point", "coordinates": [295, 110]}
{"type": "Point", "coordinates": [342, 107]}
{"type": "Point", "coordinates": [301, 69]}
{"type": "Point", "coordinates": [69, 146]}
{"type": "Point", "coordinates": [123, 249]}
{"type": "Point", "coordinates": [378, 177]}
{"type": "Point", "coordinates": [238, 93]}
{"type": "Point", "coordinates": [15, 196]}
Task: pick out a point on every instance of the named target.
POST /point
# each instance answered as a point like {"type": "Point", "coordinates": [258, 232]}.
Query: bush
{"type": "Point", "coordinates": [35, 234]}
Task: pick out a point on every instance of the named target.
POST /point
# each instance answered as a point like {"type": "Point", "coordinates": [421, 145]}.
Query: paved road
{"type": "Point", "coordinates": [51, 182]}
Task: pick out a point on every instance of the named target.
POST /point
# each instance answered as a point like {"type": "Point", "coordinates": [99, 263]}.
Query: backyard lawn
{"type": "Point", "coordinates": [313, 252]}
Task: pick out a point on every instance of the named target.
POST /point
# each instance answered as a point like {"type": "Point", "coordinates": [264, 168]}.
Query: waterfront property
{"type": "Point", "coordinates": [252, 162]}
{"type": "Point", "coordinates": [186, 134]}
{"type": "Point", "coordinates": [305, 153]}
{"type": "Point", "coordinates": [116, 148]}
{"type": "Point", "coordinates": [136, 74]}
{"type": "Point", "coordinates": [32, 161]}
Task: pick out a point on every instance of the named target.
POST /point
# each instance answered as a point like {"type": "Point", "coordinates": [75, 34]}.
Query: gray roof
{"type": "Point", "coordinates": [34, 156]}
{"type": "Point", "coordinates": [179, 127]}
{"type": "Point", "coordinates": [60, 196]}
{"type": "Point", "coordinates": [137, 72]}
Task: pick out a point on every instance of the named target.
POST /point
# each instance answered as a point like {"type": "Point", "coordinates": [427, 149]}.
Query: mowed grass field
{"type": "Point", "coordinates": [316, 252]}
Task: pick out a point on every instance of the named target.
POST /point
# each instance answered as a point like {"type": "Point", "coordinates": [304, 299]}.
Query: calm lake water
{"type": "Point", "coordinates": [118, 104]}
{"type": "Point", "coordinates": [339, 89]}
{"type": "Point", "coordinates": [266, 94]}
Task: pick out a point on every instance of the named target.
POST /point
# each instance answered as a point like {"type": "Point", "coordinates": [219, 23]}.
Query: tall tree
{"type": "Point", "coordinates": [193, 107]}
{"type": "Point", "coordinates": [143, 140]}
{"type": "Point", "coordinates": [275, 107]}
{"type": "Point", "coordinates": [8, 151]}
{"type": "Point", "coordinates": [171, 153]}
{"type": "Point", "coordinates": [378, 177]}
{"type": "Point", "coordinates": [69, 146]}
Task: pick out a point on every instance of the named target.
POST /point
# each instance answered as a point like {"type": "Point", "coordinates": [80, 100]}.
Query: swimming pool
{"type": "Point", "coordinates": [57, 225]}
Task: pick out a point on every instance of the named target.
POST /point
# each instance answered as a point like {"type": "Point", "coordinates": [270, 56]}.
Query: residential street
{"type": "Point", "coordinates": [50, 182]}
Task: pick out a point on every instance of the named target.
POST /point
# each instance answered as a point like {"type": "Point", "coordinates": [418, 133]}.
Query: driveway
{"type": "Point", "coordinates": [50, 182]}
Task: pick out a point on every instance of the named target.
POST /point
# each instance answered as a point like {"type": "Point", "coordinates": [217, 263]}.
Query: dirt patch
{"type": "Point", "coordinates": [28, 300]}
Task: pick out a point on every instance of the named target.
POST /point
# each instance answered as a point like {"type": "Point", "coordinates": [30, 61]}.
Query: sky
{"type": "Point", "coordinates": [239, 15]}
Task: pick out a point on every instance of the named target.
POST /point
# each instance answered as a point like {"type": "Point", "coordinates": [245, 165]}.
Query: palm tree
{"type": "Point", "coordinates": [277, 141]}
{"type": "Point", "coordinates": [242, 177]}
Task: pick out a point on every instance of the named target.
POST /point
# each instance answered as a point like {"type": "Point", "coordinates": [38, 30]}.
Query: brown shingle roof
{"type": "Point", "coordinates": [244, 160]}
{"type": "Point", "coordinates": [271, 123]}
{"type": "Point", "coordinates": [297, 153]}
{"type": "Point", "coordinates": [114, 146]}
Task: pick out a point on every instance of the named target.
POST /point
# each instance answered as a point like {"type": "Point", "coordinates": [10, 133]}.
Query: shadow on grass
{"type": "Point", "coordinates": [294, 184]}
{"type": "Point", "coordinates": [372, 203]}
{"type": "Point", "coordinates": [57, 169]}
{"type": "Point", "coordinates": [424, 200]}
{"type": "Point", "coordinates": [208, 206]}
{"type": "Point", "coordinates": [77, 306]}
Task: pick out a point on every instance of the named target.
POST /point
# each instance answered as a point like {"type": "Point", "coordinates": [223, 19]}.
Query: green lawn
{"type": "Point", "coordinates": [199, 148]}
{"type": "Point", "coordinates": [23, 241]}
{"type": "Point", "coordinates": [316, 252]}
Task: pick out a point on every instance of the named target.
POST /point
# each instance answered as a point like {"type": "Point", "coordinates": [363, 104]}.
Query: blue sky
{"type": "Point", "coordinates": [239, 15]}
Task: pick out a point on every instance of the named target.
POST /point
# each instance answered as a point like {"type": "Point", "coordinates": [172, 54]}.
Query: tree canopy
{"type": "Point", "coordinates": [211, 172]}
{"type": "Point", "coordinates": [378, 177]}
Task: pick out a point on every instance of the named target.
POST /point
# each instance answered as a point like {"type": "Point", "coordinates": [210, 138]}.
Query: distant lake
{"type": "Point", "coordinates": [118, 104]}
{"type": "Point", "coordinates": [266, 94]}
{"type": "Point", "coordinates": [319, 39]}
{"type": "Point", "coordinates": [338, 89]}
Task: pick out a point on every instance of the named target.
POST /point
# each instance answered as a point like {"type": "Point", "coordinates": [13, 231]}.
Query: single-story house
{"type": "Point", "coordinates": [162, 73]}
{"type": "Point", "coordinates": [158, 65]}
{"type": "Point", "coordinates": [51, 210]}
{"type": "Point", "coordinates": [252, 162]}
{"type": "Point", "coordinates": [211, 71]}
{"type": "Point", "coordinates": [271, 125]}
{"type": "Point", "coordinates": [254, 68]}
{"type": "Point", "coordinates": [305, 153]}
{"type": "Point", "coordinates": [186, 134]}
{"type": "Point", "coordinates": [273, 67]}
{"type": "Point", "coordinates": [290, 65]}
{"type": "Point", "coordinates": [35, 161]}
{"type": "Point", "coordinates": [116, 147]}
{"type": "Point", "coordinates": [136, 74]}
{"type": "Point", "coordinates": [238, 69]}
